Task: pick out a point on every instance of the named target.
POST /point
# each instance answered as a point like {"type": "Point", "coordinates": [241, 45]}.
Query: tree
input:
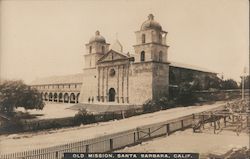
{"type": "Point", "coordinates": [229, 84]}
{"type": "Point", "coordinates": [246, 82]}
{"type": "Point", "coordinates": [15, 94]}
{"type": "Point", "coordinates": [213, 83]}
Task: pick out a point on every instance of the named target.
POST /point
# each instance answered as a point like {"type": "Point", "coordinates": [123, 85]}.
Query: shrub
{"type": "Point", "coordinates": [83, 117]}
{"type": "Point", "coordinates": [13, 125]}
{"type": "Point", "coordinates": [160, 104]}
{"type": "Point", "coordinates": [150, 106]}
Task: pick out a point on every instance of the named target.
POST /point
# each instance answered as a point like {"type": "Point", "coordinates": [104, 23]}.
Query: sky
{"type": "Point", "coordinates": [40, 38]}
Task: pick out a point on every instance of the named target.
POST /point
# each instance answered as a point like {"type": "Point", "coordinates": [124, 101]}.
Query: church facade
{"type": "Point", "coordinates": [111, 76]}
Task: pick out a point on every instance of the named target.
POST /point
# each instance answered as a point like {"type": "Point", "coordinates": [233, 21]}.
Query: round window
{"type": "Point", "coordinates": [112, 72]}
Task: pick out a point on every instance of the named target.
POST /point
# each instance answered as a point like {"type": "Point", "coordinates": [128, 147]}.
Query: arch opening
{"type": "Point", "coordinates": [143, 38]}
{"type": "Point", "coordinates": [55, 97]}
{"type": "Point", "coordinates": [60, 97]}
{"type": "Point", "coordinates": [111, 95]}
{"type": "Point", "coordinates": [46, 96]}
{"type": "Point", "coordinates": [72, 98]}
{"type": "Point", "coordinates": [77, 97]}
{"type": "Point", "coordinates": [143, 56]}
{"type": "Point", "coordinates": [50, 97]}
{"type": "Point", "coordinates": [66, 98]}
{"type": "Point", "coordinates": [160, 56]}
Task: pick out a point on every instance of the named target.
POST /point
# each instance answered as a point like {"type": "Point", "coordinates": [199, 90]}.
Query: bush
{"type": "Point", "coordinates": [155, 105]}
{"type": "Point", "coordinates": [150, 106]}
{"type": "Point", "coordinates": [13, 125]}
{"type": "Point", "coordinates": [162, 102]}
{"type": "Point", "coordinates": [83, 117]}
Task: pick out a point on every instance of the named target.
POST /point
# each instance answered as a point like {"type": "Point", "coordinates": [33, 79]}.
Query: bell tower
{"type": "Point", "coordinates": [95, 49]}
{"type": "Point", "coordinates": [151, 61]}
{"type": "Point", "coordinates": [151, 42]}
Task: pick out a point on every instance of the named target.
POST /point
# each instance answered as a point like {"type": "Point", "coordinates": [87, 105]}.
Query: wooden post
{"type": "Point", "coordinates": [182, 125]}
{"type": "Point", "coordinates": [149, 132]}
{"type": "Point", "coordinates": [87, 148]}
{"type": "Point", "coordinates": [225, 121]}
{"type": "Point", "coordinates": [214, 125]}
{"type": "Point", "coordinates": [134, 137]}
{"type": "Point", "coordinates": [211, 123]}
{"type": "Point", "coordinates": [203, 123]}
{"type": "Point", "coordinates": [138, 134]}
{"type": "Point", "coordinates": [111, 144]}
{"type": "Point", "coordinates": [167, 129]}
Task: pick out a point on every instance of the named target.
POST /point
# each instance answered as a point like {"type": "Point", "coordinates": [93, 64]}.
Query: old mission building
{"type": "Point", "coordinates": [112, 76]}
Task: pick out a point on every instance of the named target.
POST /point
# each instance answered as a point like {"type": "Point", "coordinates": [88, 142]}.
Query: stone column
{"type": "Point", "coordinates": [75, 98]}
{"type": "Point", "coordinates": [107, 90]}
{"type": "Point", "coordinates": [98, 85]}
{"type": "Point", "coordinates": [123, 83]}
{"type": "Point", "coordinates": [127, 83]}
{"type": "Point", "coordinates": [117, 94]}
{"type": "Point", "coordinates": [103, 70]}
{"type": "Point", "coordinates": [58, 99]}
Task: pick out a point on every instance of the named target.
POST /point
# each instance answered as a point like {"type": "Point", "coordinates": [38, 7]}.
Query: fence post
{"type": "Point", "coordinates": [57, 155]}
{"type": "Point", "coordinates": [138, 134]}
{"type": "Point", "coordinates": [149, 132]}
{"type": "Point", "coordinates": [87, 148]}
{"type": "Point", "coordinates": [214, 124]}
{"type": "Point", "coordinates": [203, 123]}
{"type": "Point", "coordinates": [225, 121]}
{"type": "Point", "coordinates": [167, 129]}
{"type": "Point", "coordinates": [182, 124]}
{"type": "Point", "coordinates": [111, 144]}
{"type": "Point", "coordinates": [134, 137]}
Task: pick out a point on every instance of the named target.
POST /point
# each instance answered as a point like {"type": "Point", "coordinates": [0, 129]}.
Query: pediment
{"type": "Point", "coordinates": [112, 56]}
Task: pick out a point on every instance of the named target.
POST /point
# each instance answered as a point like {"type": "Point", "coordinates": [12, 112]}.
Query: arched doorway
{"type": "Point", "coordinates": [111, 95]}
{"type": "Point", "coordinates": [72, 98]}
{"type": "Point", "coordinates": [66, 98]}
{"type": "Point", "coordinates": [60, 97]}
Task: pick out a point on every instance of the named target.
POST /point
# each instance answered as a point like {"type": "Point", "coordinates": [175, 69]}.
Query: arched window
{"type": "Point", "coordinates": [142, 56]}
{"type": "Point", "coordinates": [143, 38]}
{"type": "Point", "coordinates": [90, 49]}
{"type": "Point", "coordinates": [103, 49]}
{"type": "Point", "coordinates": [160, 56]}
{"type": "Point", "coordinates": [160, 38]}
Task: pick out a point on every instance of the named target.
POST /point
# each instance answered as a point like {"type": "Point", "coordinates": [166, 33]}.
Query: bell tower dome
{"type": "Point", "coordinates": [151, 42]}
{"type": "Point", "coordinates": [95, 49]}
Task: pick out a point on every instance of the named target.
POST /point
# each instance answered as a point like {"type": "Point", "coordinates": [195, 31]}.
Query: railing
{"type": "Point", "coordinates": [110, 142]}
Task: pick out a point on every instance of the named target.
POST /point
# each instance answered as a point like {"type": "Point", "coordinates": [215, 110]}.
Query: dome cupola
{"type": "Point", "coordinates": [151, 24]}
{"type": "Point", "coordinates": [97, 38]}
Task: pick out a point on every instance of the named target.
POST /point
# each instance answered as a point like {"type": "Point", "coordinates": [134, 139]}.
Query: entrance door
{"type": "Point", "coordinates": [111, 95]}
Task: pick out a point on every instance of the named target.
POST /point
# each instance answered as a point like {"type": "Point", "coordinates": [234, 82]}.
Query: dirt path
{"type": "Point", "coordinates": [29, 141]}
